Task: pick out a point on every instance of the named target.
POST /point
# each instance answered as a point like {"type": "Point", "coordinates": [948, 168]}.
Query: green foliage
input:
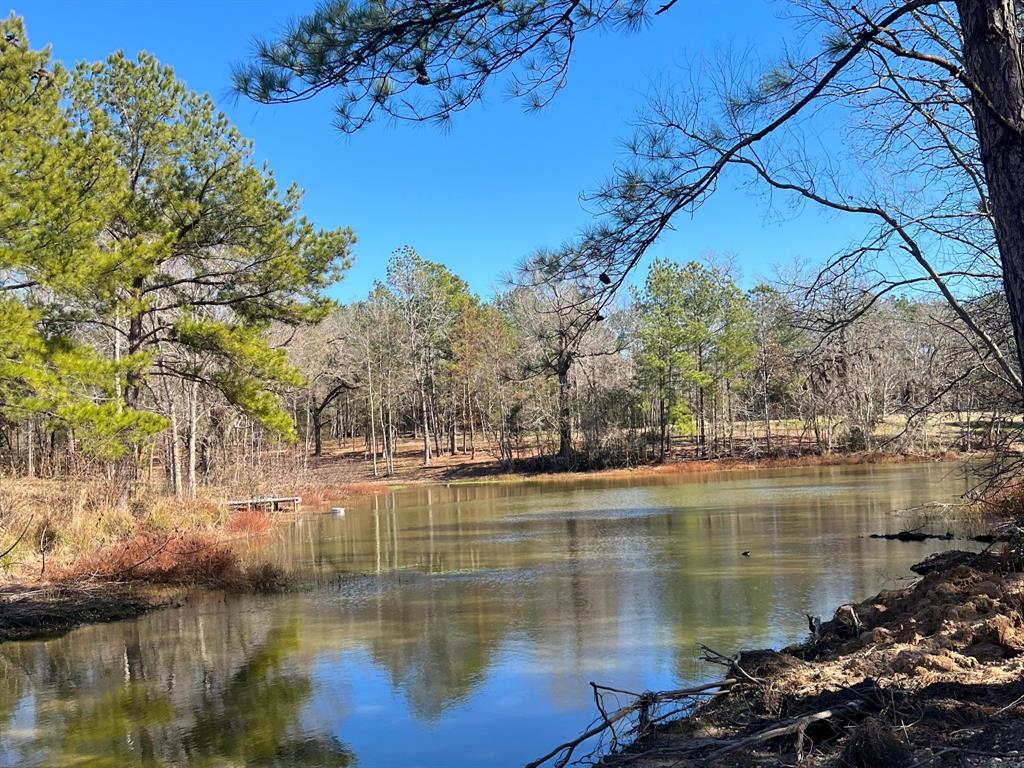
{"type": "Point", "coordinates": [694, 332]}
{"type": "Point", "coordinates": [139, 238]}
{"type": "Point", "coordinates": [431, 299]}
{"type": "Point", "coordinates": [201, 223]}
{"type": "Point", "coordinates": [58, 190]}
{"type": "Point", "coordinates": [206, 252]}
{"type": "Point", "coordinates": [681, 417]}
{"type": "Point", "coordinates": [57, 181]}
{"type": "Point", "coordinates": [424, 61]}
{"type": "Point", "coordinates": [241, 365]}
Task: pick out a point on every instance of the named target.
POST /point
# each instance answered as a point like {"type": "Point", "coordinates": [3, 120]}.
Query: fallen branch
{"type": "Point", "coordinates": [731, 662]}
{"type": "Point", "coordinates": [17, 541]}
{"type": "Point", "coordinates": [797, 726]}
{"type": "Point", "coordinates": [914, 535]}
{"type": "Point", "coordinates": [641, 704]}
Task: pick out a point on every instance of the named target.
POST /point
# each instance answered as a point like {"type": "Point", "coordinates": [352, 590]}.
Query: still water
{"type": "Point", "coordinates": [459, 626]}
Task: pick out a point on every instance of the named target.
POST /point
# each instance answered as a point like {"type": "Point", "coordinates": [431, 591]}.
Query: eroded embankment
{"type": "Point", "coordinates": [930, 675]}
{"type": "Point", "coordinates": [34, 611]}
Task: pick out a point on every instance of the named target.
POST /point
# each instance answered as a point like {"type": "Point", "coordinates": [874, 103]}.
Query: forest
{"type": "Point", "coordinates": [166, 320]}
{"type": "Point", "coordinates": [457, 504]}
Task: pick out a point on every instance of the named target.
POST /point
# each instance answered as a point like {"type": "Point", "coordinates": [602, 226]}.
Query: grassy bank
{"type": "Point", "coordinates": [76, 552]}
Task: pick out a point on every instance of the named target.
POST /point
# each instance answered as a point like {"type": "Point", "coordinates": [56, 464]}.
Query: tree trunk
{"type": "Point", "coordinates": [435, 418]}
{"type": "Point", "coordinates": [465, 416]}
{"type": "Point", "coordinates": [732, 423]}
{"type": "Point", "coordinates": [193, 427]}
{"type": "Point", "coordinates": [994, 61]}
{"type": "Point", "coordinates": [133, 379]}
{"type": "Point", "coordinates": [426, 425]}
{"type": "Point", "coordinates": [472, 429]}
{"type": "Point", "coordinates": [373, 426]}
{"type": "Point", "coordinates": [767, 412]}
{"type": "Point", "coordinates": [318, 437]}
{"type": "Point", "coordinates": [452, 430]}
{"type": "Point", "coordinates": [662, 422]}
{"type": "Point", "coordinates": [385, 436]}
{"type": "Point", "coordinates": [564, 414]}
{"type": "Point", "coordinates": [702, 439]}
{"type": "Point", "coordinates": [175, 440]}
{"type": "Point", "coordinates": [30, 469]}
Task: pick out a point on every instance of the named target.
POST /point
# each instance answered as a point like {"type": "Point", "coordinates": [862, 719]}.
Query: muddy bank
{"type": "Point", "coordinates": [929, 675]}
{"type": "Point", "coordinates": [341, 476]}
{"type": "Point", "coordinates": [29, 612]}
{"type": "Point", "coordinates": [48, 596]}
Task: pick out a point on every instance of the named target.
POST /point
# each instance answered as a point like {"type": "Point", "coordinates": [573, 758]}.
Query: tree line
{"type": "Point", "coordinates": [690, 364]}
{"type": "Point", "coordinates": [896, 114]}
{"type": "Point", "coordinates": [164, 315]}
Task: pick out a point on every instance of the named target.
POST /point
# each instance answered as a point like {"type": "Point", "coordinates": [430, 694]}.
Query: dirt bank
{"type": "Point", "coordinates": [60, 572]}
{"type": "Point", "coordinates": [929, 675]}
{"type": "Point", "coordinates": [343, 474]}
{"type": "Point", "coordinates": [32, 611]}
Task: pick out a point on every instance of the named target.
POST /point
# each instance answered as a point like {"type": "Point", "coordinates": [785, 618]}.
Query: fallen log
{"type": "Point", "coordinates": [913, 536]}
{"type": "Point", "coordinates": [797, 726]}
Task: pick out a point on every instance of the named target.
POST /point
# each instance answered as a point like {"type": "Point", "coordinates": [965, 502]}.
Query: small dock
{"type": "Point", "coordinates": [267, 504]}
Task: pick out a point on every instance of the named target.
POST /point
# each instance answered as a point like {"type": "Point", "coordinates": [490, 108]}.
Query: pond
{"type": "Point", "coordinates": [460, 625]}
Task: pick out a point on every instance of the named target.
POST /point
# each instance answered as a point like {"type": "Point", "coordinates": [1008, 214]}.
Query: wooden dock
{"type": "Point", "coordinates": [267, 504]}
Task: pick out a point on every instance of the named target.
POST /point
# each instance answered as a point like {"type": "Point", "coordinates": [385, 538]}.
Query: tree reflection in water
{"type": "Point", "coordinates": [107, 711]}
{"type": "Point", "coordinates": [459, 626]}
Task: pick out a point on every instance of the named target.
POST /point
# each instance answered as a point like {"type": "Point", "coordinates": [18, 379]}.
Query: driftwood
{"type": "Point", "coordinates": [913, 536]}
{"type": "Point", "coordinates": [850, 704]}
{"type": "Point", "coordinates": [797, 726]}
{"type": "Point", "coordinates": [732, 663]}
{"type": "Point", "coordinates": [641, 706]}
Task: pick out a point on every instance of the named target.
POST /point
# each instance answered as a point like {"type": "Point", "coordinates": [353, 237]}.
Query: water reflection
{"type": "Point", "coordinates": [468, 621]}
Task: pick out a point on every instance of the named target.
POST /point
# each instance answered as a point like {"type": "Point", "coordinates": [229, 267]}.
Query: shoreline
{"type": "Point", "coordinates": [468, 472]}
{"type": "Point", "coordinates": [47, 611]}
{"type": "Point", "coordinates": [35, 609]}
{"type": "Point", "coordinates": [144, 572]}
{"type": "Point", "coordinates": [929, 674]}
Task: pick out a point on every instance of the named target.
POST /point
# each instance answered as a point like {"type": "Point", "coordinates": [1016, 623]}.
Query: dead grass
{"type": "Point", "coordinates": [249, 522]}
{"type": "Point", "coordinates": [76, 532]}
{"type": "Point", "coordinates": [202, 558]}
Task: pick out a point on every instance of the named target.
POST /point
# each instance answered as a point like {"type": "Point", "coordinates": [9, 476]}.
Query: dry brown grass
{"type": "Point", "coordinates": [83, 531]}
{"type": "Point", "coordinates": [250, 522]}
{"type": "Point", "coordinates": [202, 558]}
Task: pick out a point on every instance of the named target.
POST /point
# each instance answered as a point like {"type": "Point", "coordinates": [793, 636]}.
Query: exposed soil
{"type": "Point", "coordinates": [145, 571]}
{"type": "Point", "coordinates": [929, 675]}
{"type": "Point", "coordinates": [347, 471]}
{"type": "Point", "coordinates": [33, 612]}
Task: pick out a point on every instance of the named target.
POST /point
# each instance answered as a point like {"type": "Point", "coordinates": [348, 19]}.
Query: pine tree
{"type": "Point", "coordinates": [58, 187]}
{"type": "Point", "coordinates": [203, 251]}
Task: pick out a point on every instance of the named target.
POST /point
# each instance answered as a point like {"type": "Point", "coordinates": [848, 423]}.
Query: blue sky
{"type": "Point", "coordinates": [500, 182]}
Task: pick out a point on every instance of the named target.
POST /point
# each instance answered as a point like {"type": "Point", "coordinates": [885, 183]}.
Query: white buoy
{"type": "Point", "coordinates": [339, 511]}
